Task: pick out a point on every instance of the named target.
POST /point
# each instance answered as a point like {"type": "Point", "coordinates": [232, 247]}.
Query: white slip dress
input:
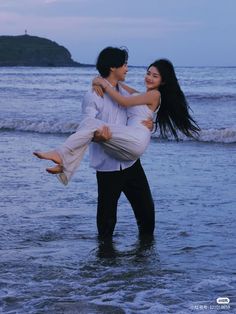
{"type": "Point", "coordinates": [127, 143]}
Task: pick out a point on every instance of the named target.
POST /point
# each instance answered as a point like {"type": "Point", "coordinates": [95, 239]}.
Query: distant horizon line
{"type": "Point", "coordinates": [191, 66]}
{"type": "Point", "coordinates": [83, 65]}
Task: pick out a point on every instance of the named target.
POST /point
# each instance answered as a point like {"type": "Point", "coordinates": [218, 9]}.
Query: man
{"type": "Point", "coordinates": [114, 176]}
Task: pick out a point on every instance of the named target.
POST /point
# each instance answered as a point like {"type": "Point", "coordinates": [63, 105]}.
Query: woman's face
{"type": "Point", "coordinates": [152, 78]}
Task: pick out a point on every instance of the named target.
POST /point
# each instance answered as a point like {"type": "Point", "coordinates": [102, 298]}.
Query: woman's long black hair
{"type": "Point", "coordinates": [173, 114]}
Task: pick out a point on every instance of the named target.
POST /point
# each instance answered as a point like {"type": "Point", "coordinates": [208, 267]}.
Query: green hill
{"type": "Point", "coordinates": [28, 50]}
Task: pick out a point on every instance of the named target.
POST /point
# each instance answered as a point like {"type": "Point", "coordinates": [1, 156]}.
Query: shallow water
{"type": "Point", "coordinates": [50, 258]}
{"type": "Point", "coordinates": [52, 262]}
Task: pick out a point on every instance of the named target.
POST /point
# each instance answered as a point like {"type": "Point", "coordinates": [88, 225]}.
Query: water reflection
{"type": "Point", "coordinates": [143, 248]}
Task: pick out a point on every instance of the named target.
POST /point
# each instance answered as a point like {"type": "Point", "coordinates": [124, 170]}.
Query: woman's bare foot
{"type": "Point", "coordinates": [51, 155]}
{"type": "Point", "coordinates": [55, 170]}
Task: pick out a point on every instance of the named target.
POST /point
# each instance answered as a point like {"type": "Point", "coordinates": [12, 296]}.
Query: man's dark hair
{"type": "Point", "coordinates": [111, 57]}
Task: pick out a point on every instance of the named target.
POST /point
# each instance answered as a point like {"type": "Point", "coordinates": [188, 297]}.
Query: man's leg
{"type": "Point", "coordinates": [109, 190]}
{"type": "Point", "coordinates": [138, 193]}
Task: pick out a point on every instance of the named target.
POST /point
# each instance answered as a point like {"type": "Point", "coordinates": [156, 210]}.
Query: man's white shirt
{"type": "Point", "coordinates": [107, 110]}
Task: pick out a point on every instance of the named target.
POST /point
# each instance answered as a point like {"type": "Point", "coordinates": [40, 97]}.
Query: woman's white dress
{"type": "Point", "coordinates": [127, 142]}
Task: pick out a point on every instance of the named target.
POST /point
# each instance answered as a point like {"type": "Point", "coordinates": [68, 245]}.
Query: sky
{"type": "Point", "coordinates": [188, 32]}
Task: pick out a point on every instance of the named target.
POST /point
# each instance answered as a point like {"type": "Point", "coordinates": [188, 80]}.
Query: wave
{"type": "Point", "coordinates": [53, 127]}
{"type": "Point", "coordinates": [210, 97]}
{"type": "Point", "coordinates": [221, 135]}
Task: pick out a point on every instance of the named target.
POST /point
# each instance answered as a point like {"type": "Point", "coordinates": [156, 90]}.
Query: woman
{"type": "Point", "coordinates": [163, 95]}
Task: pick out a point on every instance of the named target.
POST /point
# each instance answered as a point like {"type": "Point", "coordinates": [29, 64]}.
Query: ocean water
{"type": "Point", "coordinates": [50, 258]}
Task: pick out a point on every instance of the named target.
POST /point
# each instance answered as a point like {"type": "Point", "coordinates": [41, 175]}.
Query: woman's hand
{"type": "Point", "coordinates": [98, 90]}
{"type": "Point", "coordinates": [98, 80]}
{"type": "Point", "coordinates": [99, 85]}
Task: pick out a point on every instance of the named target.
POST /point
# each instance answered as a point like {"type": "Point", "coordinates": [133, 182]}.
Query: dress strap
{"type": "Point", "coordinates": [156, 111]}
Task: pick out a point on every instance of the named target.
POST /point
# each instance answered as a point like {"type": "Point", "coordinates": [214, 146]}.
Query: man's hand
{"type": "Point", "coordinates": [102, 135]}
{"type": "Point", "coordinates": [148, 124]}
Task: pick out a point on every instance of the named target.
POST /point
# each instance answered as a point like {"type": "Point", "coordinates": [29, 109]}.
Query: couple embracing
{"type": "Point", "coordinates": [117, 127]}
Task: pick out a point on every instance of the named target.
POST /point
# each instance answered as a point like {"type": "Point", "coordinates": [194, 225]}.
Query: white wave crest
{"type": "Point", "coordinates": [223, 135]}
{"type": "Point", "coordinates": [38, 126]}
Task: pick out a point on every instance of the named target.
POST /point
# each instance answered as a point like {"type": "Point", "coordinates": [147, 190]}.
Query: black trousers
{"type": "Point", "coordinates": [133, 183]}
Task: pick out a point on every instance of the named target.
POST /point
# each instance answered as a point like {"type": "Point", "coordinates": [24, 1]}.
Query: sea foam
{"type": "Point", "coordinates": [221, 135]}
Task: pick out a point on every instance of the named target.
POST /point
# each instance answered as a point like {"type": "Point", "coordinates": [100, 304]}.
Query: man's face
{"type": "Point", "coordinates": [120, 73]}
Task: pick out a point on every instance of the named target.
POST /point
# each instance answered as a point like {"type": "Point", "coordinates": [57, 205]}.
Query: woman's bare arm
{"type": "Point", "coordinates": [100, 92]}
{"type": "Point", "coordinates": [150, 98]}
{"type": "Point", "coordinates": [129, 89]}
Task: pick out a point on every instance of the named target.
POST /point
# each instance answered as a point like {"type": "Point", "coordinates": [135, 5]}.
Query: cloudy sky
{"type": "Point", "coordinates": [189, 32]}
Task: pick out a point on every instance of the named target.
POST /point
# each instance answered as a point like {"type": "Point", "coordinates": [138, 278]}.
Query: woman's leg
{"type": "Point", "coordinates": [71, 152]}
{"type": "Point", "coordinates": [51, 155]}
{"type": "Point", "coordinates": [127, 143]}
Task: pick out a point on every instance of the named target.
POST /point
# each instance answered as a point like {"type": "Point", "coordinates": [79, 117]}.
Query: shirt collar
{"type": "Point", "coordinates": [115, 87]}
